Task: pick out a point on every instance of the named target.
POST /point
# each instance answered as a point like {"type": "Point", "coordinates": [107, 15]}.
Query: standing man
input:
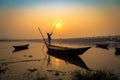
{"type": "Point", "coordinates": [49, 37]}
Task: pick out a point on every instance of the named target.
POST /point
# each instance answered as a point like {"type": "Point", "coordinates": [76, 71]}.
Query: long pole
{"type": "Point", "coordinates": [42, 37]}
{"type": "Point", "coordinates": [53, 28]}
{"type": "Point", "coordinates": [50, 33]}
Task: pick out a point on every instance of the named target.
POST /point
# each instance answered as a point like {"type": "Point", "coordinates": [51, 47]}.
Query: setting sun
{"type": "Point", "coordinates": [58, 25]}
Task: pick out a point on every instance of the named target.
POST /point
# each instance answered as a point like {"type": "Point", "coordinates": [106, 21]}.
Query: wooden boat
{"type": "Point", "coordinates": [67, 50]}
{"type": "Point", "coordinates": [117, 49]}
{"type": "Point", "coordinates": [104, 46]}
{"type": "Point", "coordinates": [17, 50]}
{"type": "Point", "coordinates": [21, 47]}
{"type": "Point", "coordinates": [64, 50]}
{"type": "Point", "coordinates": [117, 52]}
{"type": "Point", "coordinates": [75, 59]}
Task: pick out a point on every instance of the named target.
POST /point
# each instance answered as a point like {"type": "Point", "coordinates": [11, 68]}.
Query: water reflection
{"type": "Point", "coordinates": [17, 50]}
{"type": "Point", "coordinates": [76, 60]}
{"type": "Point", "coordinates": [27, 60]}
{"type": "Point", "coordinates": [103, 47]}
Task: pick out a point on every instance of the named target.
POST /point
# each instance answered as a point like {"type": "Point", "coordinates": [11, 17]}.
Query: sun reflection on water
{"type": "Point", "coordinates": [57, 62]}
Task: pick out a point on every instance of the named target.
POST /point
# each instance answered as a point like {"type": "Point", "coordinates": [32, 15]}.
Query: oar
{"type": "Point", "coordinates": [51, 33]}
{"type": "Point", "coordinates": [54, 28]}
{"type": "Point", "coordinates": [43, 46]}
{"type": "Point", "coordinates": [43, 37]}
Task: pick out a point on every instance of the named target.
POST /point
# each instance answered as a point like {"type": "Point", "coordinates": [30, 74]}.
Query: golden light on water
{"type": "Point", "coordinates": [57, 62]}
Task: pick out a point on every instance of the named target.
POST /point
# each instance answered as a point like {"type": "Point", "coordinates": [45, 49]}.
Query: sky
{"type": "Point", "coordinates": [20, 19]}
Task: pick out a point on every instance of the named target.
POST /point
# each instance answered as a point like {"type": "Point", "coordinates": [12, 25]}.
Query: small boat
{"type": "Point", "coordinates": [67, 50]}
{"type": "Point", "coordinates": [117, 49]}
{"type": "Point", "coordinates": [104, 46]}
{"type": "Point", "coordinates": [117, 52]}
{"type": "Point", "coordinates": [21, 47]}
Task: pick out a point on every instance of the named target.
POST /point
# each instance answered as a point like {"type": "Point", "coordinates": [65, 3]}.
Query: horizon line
{"type": "Point", "coordinates": [55, 38]}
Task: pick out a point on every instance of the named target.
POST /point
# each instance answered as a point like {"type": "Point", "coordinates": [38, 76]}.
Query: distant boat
{"type": "Point", "coordinates": [104, 46]}
{"type": "Point", "coordinates": [21, 47]}
{"type": "Point", "coordinates": [67, 50]}
{"type": "Point", "coordinates": [117, 52]}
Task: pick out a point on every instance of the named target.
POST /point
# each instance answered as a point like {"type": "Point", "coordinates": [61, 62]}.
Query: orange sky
{"type": "Point", "coordinates": [76, 20]}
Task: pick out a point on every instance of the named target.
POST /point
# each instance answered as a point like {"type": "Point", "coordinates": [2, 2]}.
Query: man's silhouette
{"type": "Point", "coordinates": [49, 37]}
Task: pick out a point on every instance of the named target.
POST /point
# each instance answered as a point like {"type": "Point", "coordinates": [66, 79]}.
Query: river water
{"type": "Point", "coordinates": [18, 64]}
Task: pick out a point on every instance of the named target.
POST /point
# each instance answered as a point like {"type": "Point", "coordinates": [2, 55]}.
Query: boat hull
{"type": "Point", "coordinates": [66, 50]}
{"type": "Point", "coordinates": [21, 47]}
{"type": "Point", "coordinates": [104, 46]}
{"type": "Point", "coordinates": [117, 52]}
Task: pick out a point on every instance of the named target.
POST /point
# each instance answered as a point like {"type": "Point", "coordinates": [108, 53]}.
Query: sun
{"type": "Point", "coordinates": [58, 25]}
